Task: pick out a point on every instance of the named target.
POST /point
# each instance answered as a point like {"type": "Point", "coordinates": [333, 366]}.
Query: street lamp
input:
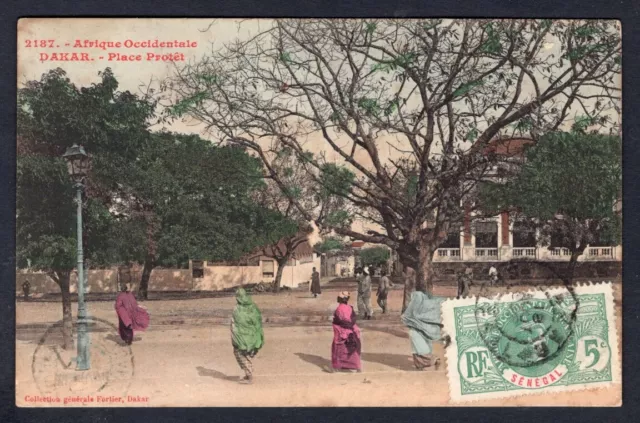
{"type": "Point", "coordinates": [78, 166]}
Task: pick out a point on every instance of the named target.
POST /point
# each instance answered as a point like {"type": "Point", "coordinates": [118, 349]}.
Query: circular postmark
{"type": "Point", "coordinates": [110, 374]}
{"type": "Point", "coordinates": [530, 332]}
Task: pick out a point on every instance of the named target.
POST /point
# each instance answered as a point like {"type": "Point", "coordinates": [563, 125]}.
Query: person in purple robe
{"type": "Point", "coordinates": [131, 316]}
{"type": "Point", "coordinates": [346, 346]}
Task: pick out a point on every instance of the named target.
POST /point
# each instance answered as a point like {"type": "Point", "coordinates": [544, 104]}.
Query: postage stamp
{"type": "Point", "coordinates": [534, 342]}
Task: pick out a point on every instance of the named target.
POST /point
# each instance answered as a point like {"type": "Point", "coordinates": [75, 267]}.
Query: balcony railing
{"type": "Point", "coordinates": [448, 253]}
{"type": "Point", "coordinates": [524, 252]}
{"type": "Point", "coordinates": [486, 253]}
{"type": "Point", "coordinates": [601, 252]}
{"type": "Point", "coordinates": [560, 252]}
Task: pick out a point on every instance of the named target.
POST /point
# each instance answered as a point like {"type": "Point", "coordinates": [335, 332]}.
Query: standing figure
{"type": "Point", "coordinates": [464, 281]}
{"type": "Point", "coordinates": [383, 290]}
{"type": "Point", "coordinates": [493, 276]}
{"type": "Point", "coordinates": [364, 295]}
{"type": "Point", "coordinates": [422, 317]}
{"type": "Point", "coordinates": [247, 336]}
{"type": "Point", "coordinates": [130, 315]}
{"type": "Point", "coordinates": [26, 287]}
{"type": "Point", "coordinates": [315, 283]}
{"type": "Point", "coordinates": [346, 347]}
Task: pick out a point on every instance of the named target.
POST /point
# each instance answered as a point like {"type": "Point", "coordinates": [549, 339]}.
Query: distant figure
{"type": "Point", "coordinates": [247, 336]}
{"type": "Point", "coordinates": [422, 317]}
{"type": "Point", "coordinates": [130, 315]}
{"type": "Point", "coordinates": [364, 295]}
{"type": "Point", "coordinates": [493, 276]}
{"type": "Point", "coordinates": [464, 282]}
{"type": "Point", "coordinates": [315, 283]}
{"type": "Point", "coordinates": [346, 347]}
{"type": "Point", "coordinates": [26, 287]}
{"type": "Point", "coordinates": [383, 290]}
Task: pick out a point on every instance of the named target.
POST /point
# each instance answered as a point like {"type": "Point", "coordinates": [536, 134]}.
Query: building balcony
{"type": "Point", "coordinates": [448, 254]}
{"type": "Point", "coordinates": [524, 252]}
{"type": "Point", "coordinates": [486, 254]}
{"type": "Point", "coordinates": [600, 253]}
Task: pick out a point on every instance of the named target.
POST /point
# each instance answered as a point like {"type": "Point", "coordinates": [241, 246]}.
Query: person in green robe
{"type": "Point", "coordinates": [422, 317]}
{"type": "Point", "coordinates": [247, 335]}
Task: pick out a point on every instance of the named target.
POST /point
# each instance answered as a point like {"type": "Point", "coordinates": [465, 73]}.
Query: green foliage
{"type": "Point", "coordinates": [336, 180]}
{"type": "Point", "coordinates": [374, 256]}
{"type": "Point", "coordinates": [184, 105]}
{"type": "Point", "coordinates": [472, 134]}
{"type": "Point", "coordinates": [577, 175]}
{"type": "Point", "coordinates": [370, 106]}
{"type": "Point", "coordinates": [370, 28]}
{"type": "Point", "coordinates": [401, 61]}
{"type": "Point", "coordinates": [465, 88]}
{"type": "Point", "coordinates": [492, 45]}
{"type": "Point", "coordinates": [338, 219]}
{"type": "Point", "coordinates": [329, 244]}
{"type": "Point", "coordinates": [172, 196]}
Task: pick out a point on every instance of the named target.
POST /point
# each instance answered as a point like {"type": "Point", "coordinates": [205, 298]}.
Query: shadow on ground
{"type": "Point", "coordinates": [316, 360]}
{"type": "Point", "coordinates": [216, 374]}
{"type": "Point", "coordinates": [400, 333]}
{"type": "Point", "coordinates": [397, 361]}
{"type": "Point", "coordinates": [118, 340]}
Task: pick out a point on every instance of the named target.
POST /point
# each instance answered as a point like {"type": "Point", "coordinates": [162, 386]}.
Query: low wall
{"type": "Point", "coordinates": [529, 270]}
{"type": "Point", "coordinates": [103, 281]}
{"type": "Point", "coordinates": [217, 278]}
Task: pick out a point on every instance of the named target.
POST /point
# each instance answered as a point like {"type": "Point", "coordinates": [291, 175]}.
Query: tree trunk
{"type": "Point", "coordinates": [424, 277]}
{"type": "Point", "coordinates": [143, 289]}
{"type": "Point", "coordinates": [278, 279]}
{"type": "Point", "coordinates": [418, 274]}
{"type": "Point", "coordinates": [571, 268]}
{"type": "Point", "coordinates": [62, 279]}
{"type": "Point", "coordinates": [409, 285]}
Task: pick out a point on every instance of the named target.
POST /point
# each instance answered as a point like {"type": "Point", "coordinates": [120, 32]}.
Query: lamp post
{"type": "Point", "coordinates": [78, 166]}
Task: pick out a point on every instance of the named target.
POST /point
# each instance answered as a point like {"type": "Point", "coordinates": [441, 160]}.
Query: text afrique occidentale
{"type": "Point", "coordinates": [127, 54]}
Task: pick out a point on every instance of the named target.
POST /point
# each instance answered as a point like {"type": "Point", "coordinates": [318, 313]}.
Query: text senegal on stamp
{"type": "Point", "coordinates": [534, 342]}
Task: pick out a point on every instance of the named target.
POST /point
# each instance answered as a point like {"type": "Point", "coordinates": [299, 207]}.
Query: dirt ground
{"type": "Point", "coordinates": [193, 365]}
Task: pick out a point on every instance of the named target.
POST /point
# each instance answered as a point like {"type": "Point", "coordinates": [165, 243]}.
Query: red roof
{"type": "Point", "coordinates": [357, 244]}
{"type": "Point", "coordinates": [508, 146]}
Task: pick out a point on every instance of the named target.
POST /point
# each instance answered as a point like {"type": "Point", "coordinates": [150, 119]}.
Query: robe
{"type": "Point", "coordinates": [315, 283]}
{"type": "Point", "coordinates": [131, 316]}
{"type": "Point", "coordinates": [346, 346]}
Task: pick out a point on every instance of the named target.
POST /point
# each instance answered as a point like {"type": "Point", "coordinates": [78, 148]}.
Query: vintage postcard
{"type": "Point", "coordinates": [318, 212]}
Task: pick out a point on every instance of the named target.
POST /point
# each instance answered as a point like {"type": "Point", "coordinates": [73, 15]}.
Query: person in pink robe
{"type": "Point", "coordinates": [131, 316]}
{"type": "Point", "coordinates": [346, 346]}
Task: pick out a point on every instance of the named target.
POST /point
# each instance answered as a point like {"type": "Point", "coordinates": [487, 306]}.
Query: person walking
{"type": "Point", "coordinates": [131, 316]}
{"type": "Point", "coordinates": [315, 283]}
{"type": "Point", "coordinates": [247, 336]}
{"type": "Point", "coordinates": [364, 295]}
{"type": "Point", "coordinates": [346, 346]}
{"type": "Point", "coordinates": [383, 290]}
{"type": "Point", "coordinates": [26, 287]}
{"type": "Point", "coordinates": [422, 317]}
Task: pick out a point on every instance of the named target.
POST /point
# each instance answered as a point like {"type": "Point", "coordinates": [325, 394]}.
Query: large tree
{"type": "Point", "coordinates": [52, 115]}
{"type": "Point", "coordinates": [568, 189]}
{"type": "Point", "coordinates": [403, 109]}
{"type": "Point", "coordinates": [187, 198]}
{"type": "Point", "coordinates": [290, 229]}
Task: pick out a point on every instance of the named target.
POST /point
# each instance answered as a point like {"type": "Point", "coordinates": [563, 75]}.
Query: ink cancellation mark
{"type": "Point", "coordinates": [110, 376]}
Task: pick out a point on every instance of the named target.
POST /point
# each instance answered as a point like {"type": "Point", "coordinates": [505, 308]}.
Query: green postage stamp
{"type": "Point", "coordinates": [535, 342]}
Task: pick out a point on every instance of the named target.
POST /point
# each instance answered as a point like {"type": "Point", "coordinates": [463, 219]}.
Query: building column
{"type": "Point", "coordinates": [467, 252]}
{"type": "Point", "coordinates": [505, 235]}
